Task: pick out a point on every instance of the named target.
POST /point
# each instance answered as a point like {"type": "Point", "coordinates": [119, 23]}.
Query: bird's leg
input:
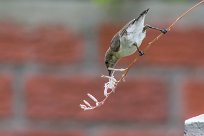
{"type": "Point", "coordinates": [141, 53]}
{"type": "Point", "coordinates": [164, 31]}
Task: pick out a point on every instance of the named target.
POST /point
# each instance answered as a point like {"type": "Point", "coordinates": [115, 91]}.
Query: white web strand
{"type": "Point", "coordinates": [109, 87]}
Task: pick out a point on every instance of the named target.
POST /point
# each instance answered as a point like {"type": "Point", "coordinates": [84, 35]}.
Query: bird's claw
{"type": "Point", "coordinates": [164, 31]}
{"type": "Point", "coordinates": [141, 53]}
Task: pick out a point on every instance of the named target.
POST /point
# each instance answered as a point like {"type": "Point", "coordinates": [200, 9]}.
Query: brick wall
{"type": "Point", "coordinates": [47, 69]}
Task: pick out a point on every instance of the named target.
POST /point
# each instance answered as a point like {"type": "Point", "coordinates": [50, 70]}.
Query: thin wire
{"type": "Point", "coordinates": [146, 48]}
{"type": "Point", "coordinates": [159, 36]}
{"type": "Point", "coordinates": [173, 24]}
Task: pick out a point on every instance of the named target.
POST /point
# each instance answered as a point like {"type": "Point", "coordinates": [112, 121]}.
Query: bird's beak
{"type": "Point", "coordinates": [109, 72]}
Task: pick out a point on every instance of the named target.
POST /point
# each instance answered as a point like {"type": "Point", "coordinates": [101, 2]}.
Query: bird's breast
{"type": "Point", "coordinates": [137, 37]}
{"type": "Point", "coordinates": [127, 48]}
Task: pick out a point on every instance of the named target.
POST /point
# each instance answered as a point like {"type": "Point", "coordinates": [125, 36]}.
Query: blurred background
{"type": "Point", "coordinates": [51, 56]}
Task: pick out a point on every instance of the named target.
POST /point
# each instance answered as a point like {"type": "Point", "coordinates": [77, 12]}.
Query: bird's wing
{"type": "Point", "coordinates": [124, 29]}
{"type": "Point", "coordinates": [115, 43]}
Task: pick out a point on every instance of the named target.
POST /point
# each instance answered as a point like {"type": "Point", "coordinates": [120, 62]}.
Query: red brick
{"type": "Point", "coordinates": [141, 133]}
{"type": "Point", "coordinates": [12, 42]}
{"type": "Point", "coordinates": [183, 48]}
{"type": "Point", "coordinates": [50, 97]}
{"type": "Point", "coordinates": [193, 97]}
{"type": "Point", "coordinates": [6, 133]}
{"type": "Point", "coordinates": [51, 133]}
{"type": "Point", "coordinates": [56, 44]}
{"type": "Point", "coordinates": [5, 96]}
{"type": "Point", "coordinates": [42, 133]}
{"type": "Point", "coordinates": [44, 44]}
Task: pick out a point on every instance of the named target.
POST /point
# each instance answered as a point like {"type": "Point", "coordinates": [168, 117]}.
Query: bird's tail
{"type": "Point", "coordinates": [143, 14]}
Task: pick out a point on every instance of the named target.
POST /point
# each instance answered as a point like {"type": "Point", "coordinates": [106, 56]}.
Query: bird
{"type": "Point", "coordinates": [128, 40]}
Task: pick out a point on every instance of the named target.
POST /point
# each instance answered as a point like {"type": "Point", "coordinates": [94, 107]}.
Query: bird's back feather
{"type": "Point", "coordinates": [115, 43]}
